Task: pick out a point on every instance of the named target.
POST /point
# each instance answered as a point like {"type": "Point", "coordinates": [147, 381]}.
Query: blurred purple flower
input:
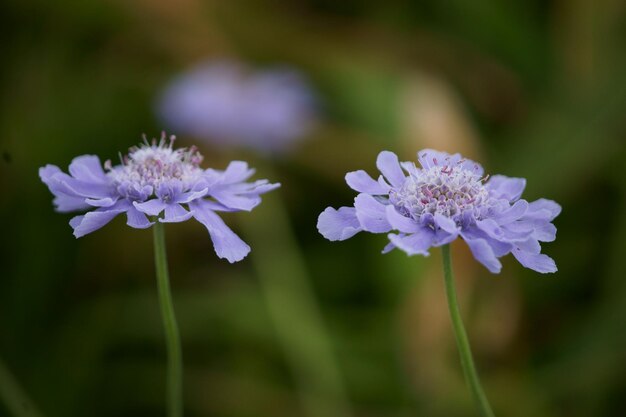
{"type": "Point", "coordinates": [161, 182]}
{"type": "Point", "coordinates": [227, 105]}
{"type": "Point", "coordinates": [448, 197]}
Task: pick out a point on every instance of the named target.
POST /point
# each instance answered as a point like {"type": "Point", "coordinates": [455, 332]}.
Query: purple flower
{"type": "Point", "coordinates": [156, 182]}
{"type": "Point", "coordinates": [228, 105]}
{"type": "Point", "coordinates": [446, 198]}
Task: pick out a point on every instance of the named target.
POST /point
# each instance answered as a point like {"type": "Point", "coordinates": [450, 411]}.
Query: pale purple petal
{"type": "Point", "coordinates": [64, 199]}
{"type": "Point", "coordinates": [535, 261]}
{"type": "Point", "coordinates": [101, 202]}
{"type": "Point", "coordinates": [506, 187]}
{"type": "Point", "coordinates": [543, 209]}
{"type": "Point", "coordinates": [64, 203]}
{"type": "Point", "coordinates": [152, 207]}
{"type": "Point", "coordinates": [387, 163]}
{"type": "Point", "coordinates": [415, 243]}
{"type": "Point", "coordinates": [429, 158]}
{"type": "Point", "coordinates": [483, 253]}
{"type": "Point", "coordinates": [88, 189]}
{"type": "Point", "coordinates": [529, 245]}
{"type": "Point", "coordinates": [400, 222]}
{"type": "Point", "coordinates": [185, 198]}
{"type": "Point", "coordinates": [338, 224]}
{"type": "Point", "coordinates": [175, 213]}
{"type": "Point", "coordinates": [88, 168]}
{"type": "Point", "coordinates": [76, 220]}
{"type": "Point", "coordinates": [226, 243]}
{"type": "Point", "coordinates": [511, 232]}
{"type": "Point", "coordinates": [48, 172]}
{"type": "Point", "coordinates": [371, 214]}
{"type": "Point", "coordinates": [389, 247]}
{"type": "Point", "coordinates": [94, 220]}
{"type": "Point", "coordinates": [137, 219]}
{"type": "Point", "coordinates": [236, 171]}
{"type": "Point", "coordinates": [361, 181]}
{"type": "Point", "coordinates": [544, 231]}
{"type": "Point", "coordinates": [446, 223]}
{"type": "Point", "coordinates": [515, 212]}
{"type": "Point", "coordinates": [238, 202]}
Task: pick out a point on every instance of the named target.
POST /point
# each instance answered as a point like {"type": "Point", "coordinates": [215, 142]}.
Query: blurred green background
{"type": "Point", "coordinates": [530, 88]}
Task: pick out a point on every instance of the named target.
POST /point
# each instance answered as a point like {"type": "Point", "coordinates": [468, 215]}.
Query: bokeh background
{"type": "Point", "coordinates": [530, 88]}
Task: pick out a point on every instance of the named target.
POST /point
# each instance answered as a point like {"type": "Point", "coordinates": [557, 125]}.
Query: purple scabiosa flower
{"type": "Point", "coordinates": [228, 105]}
{"type": "Point", "coordinates": [156, 182]}
{"type": "Point", "coordinates": [448, 197]}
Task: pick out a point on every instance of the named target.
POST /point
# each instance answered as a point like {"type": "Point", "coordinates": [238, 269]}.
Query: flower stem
{"type": "Point", "coordinates": [471, 376]}
{"type": "Point", "coordinates": [174, 356]}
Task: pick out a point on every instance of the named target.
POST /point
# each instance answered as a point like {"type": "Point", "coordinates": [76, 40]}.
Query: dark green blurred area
{"type": "Point", "coordinates": [530, 89]}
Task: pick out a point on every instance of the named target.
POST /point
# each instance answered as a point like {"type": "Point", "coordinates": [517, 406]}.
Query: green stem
{"type": "Point", "coordinates": [471, 376]}
{"type": "Point", "coordinates": [174, 356]}
{"type": "Point", "coordinates": [15, 399]}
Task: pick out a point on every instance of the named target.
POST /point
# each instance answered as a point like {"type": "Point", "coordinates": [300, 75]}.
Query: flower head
{"type": "Point", "coordinates": [156, 182]}
{"type": "Point", "coordinates": [448, 197]}
{"type": "Point", "coordinates": [228, 105]}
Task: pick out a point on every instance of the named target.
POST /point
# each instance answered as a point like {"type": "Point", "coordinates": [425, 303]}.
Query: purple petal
{"type": "Point", "coordinates": [93, 221]}
{"type": "Point", "coordinates": [400, 222]}
{"type": "Point", "coordinates": [185, 198]}
{"type": "Point", "coordinates": [511, 232]}
{"type": "Point", "coordinates": [137, 219]}
{"type": "Point", "coordinates": [429, 158]}
{"type": "Point", "coordinates": [515, 212]}
{"type": "Point", "coordinates": [236, 171]}
{"type": "Point", "coordinates": [226, 243]}
{"type": "Point", "coordinates": [387, 163]}
{"type": "Point", "coordinates": [64, 203]}
{"type": "Point", "coordinates": [543, 209]}
{"type": "Point", "coordinates": [500, 247]}
{"type": "Point", "coordinates": [506, 187]}
{"type": "Point", "coordinates": [535, 261]}
{"type": "Point", "coordinates": [215, 206]}
{"type": "Point", "coordinates": [414, 244]}
{"type": "Point", "coordinates": [361, 181]}
{"type": "Point", "coordinates": [483, 253]}
{"type": "Point", "coordinates": [529, 245]}
{"type": "Point", "coordinates": [87, 168]}
{"type": "Point", "coordinates": [75, 221]}
{"type": "Point", "coordinates": [101, 202]}
{"type": "Point", "coordinates": [472, 166]}
{"type": "Point", "coordinates": [170, 190]}
{"type": "Point", "coordinates": [152, 207]}
{"type": "Point", "coordinates": [238, 202]}
{"type": "Point", "coordinates": [339, 224]}
{"type": "Point", "coordinates": [520, 227]}
{"type": "Point", "coordinates": [48, 172]}
{"type": "Point", "coordinates": [65, 200]}
{"type": "Point", "coordinates": [389, 247]}
{"type": "Point", "coordinates": [447, 224]}
{"type": "Point", "coordinates": [371, 214]}
{"type": "Point", "coordinates": [95, 190]}
{"type": "Point", "coordinates": [175, 213]}
{"type": "Point", "coordinates": [544, 231]}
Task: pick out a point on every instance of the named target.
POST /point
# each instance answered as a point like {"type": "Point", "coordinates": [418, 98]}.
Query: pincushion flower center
{"type": "Point", "coordinates": [155, 164]}
{"type": "Point", "coordinates": [447, 190]}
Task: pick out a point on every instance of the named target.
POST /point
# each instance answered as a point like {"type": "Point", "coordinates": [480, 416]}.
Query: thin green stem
{"type": "Point", "coordinates": [471, 376]}
{"type": "Point", "coordinates": [174, 354]}
{"type": "Point", "coordinates": [15, 399]}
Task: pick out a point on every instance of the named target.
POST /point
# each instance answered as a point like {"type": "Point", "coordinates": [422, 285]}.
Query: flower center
{"type": "Point", "coordinates": [447, 190]}
{"type": "Point", "coordinates": [148, 166]}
